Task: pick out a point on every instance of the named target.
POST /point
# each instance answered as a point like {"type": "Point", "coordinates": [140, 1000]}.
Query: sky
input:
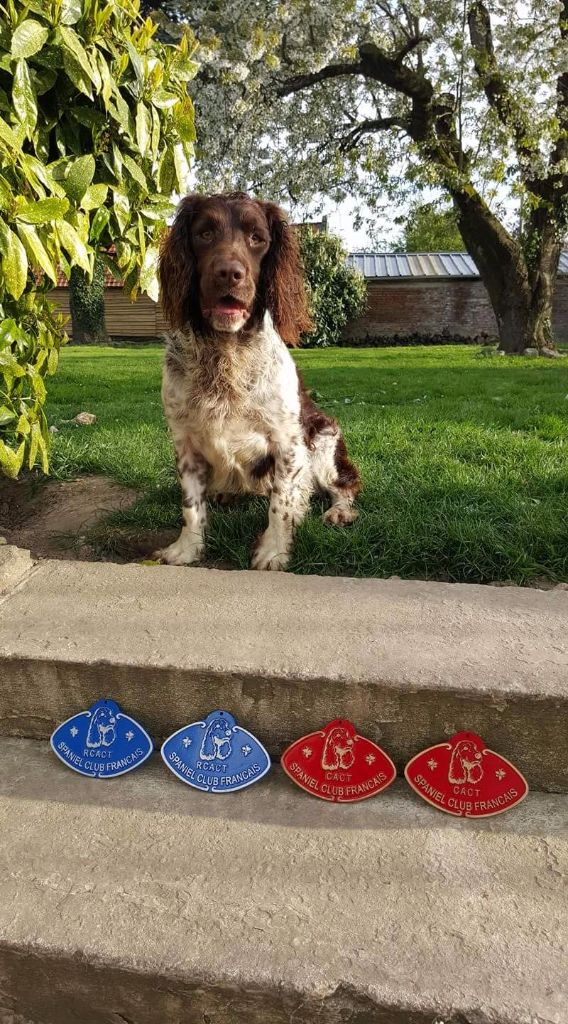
{"type": "Point", "coordinates": [340, 222]}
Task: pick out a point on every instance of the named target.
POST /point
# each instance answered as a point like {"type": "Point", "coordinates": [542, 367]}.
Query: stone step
{"type": "Point", "coordinates": [409, 662]}
{"type": "Point", "coordinates": [142, 900]}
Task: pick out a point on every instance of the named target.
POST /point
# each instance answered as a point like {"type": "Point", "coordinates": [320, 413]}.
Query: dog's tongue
{"type": "Point", "coordinates": [229, 305]}
{"type": "Point", "coordinates": [230, 308]}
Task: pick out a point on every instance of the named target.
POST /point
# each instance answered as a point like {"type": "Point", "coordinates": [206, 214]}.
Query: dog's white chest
{"type": "Point", "coordinates": [233, 450]}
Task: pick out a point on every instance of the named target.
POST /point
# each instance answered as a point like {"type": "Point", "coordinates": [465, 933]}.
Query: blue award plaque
{"type": "Point", "coordinates": [217, 755]}
{"type": "Point", "coordinates": [101, 742]}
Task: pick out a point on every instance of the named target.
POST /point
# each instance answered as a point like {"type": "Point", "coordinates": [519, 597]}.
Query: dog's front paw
{"type": "Point", "coordinates": [181, 552]}
{"type": "Point", "coordinates": [267, 557]}
{"type": "Point", "coordinates": [340, 515]}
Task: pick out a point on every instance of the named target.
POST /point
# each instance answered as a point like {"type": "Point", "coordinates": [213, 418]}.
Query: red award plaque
{"type": "Point", "coordinates": [464, 778]}
{"type": "Point", "coordinates": [337, 764]}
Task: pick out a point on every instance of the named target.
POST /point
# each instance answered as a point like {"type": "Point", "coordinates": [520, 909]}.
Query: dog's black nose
{"type": "Point", "coordinates": [229, 273]}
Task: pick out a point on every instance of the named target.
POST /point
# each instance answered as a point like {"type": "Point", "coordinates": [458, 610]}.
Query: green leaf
{"type": "Point", "coordinates": [43, 211]}
{"type": "Point", "coordinates": [34, 168]}
{"type": "Point", "coordinates": [143, 128]}
{"type": "Point", "coordinates": [80, 80]}
{"type": "Point", "coordinates": [9, 136]}
{"type": "Point", "coordinates": [23, 425]}
{"type": "Point", "coordinates": [94, 197]}
{"type": "Point", "coordinates": [78, 177]}
{"type": "Point", "coordinates": [184, 120]}
{"type": "Point", "coordinates": [43, 453]}
{"type": "Point", "coordinates": [34, 444]}
{"type": "Point", "coordinates": [6, 415]}
{"type": "Point", "coordinates": [149, 273]}
{"type": "Point", "coordinates": [121, 210]}
{"type": "Point", "coordinates": [158, 213]}
{"type": "Point", "coordinates": [11, 461]}
{"type": "Point", "coordinates": [36, 250]}
{"type": "Point", "coordinates": [117, 161]}
{"type": "Point", "coordinates": [88, 116]}
{"type": "Point", "coordinates": [24, 98]}
{"type": "Point", "coordinates": [73, 245]}
{"type": "Point", "coordinates": [185, 69]}
{"type": "Point", "coordinates": [71, 11]}
{"type": "Point", "coordinates": [38, 387]}
{"type": "Point", "coordinates": [52, 361]}
{"type": "Point", "coordinates": [6, 195]}
{"type": "Point", "coordinates": [156, 132]}
{"type": "Point", "coordinates": [99, 223]}
{"type": "Point", "coordinates": [134, 170]}
{"type": "Point", "coordinates": [74, 46]}
{"type": "Point", "coordinates": [181, 166]}
{"type": "Point", "coordinates": [166, 172]}
{"type": "Point", "coordinates": [28, 38]}
{"type": "Point", "coordinates": [164, 100]}
{"type": "Point", "coordinates": [15, 261]}
{"type": "Point", "coordinates": [106, 79]}
{"type": "Point", "coordinates": [121, 113]}
{"type": "Point", "coordinates": [136, 62]}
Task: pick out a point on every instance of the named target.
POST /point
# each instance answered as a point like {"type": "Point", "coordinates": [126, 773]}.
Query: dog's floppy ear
{"type": "Point", "coordinates": [282, 280]}
{"type": "Point", "coordinates": [177, 265]}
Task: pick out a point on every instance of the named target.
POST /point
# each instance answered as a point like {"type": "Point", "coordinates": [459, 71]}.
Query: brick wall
{"type": "Point", "coordinates": [394, 307]}
{"type": "Point", "coordinates": [459, 306]}
{"type": "Point", "coordinates": [560, 318]}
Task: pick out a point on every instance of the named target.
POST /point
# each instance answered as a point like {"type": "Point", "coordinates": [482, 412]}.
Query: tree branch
{"type": "Point", "coordinates": [300, 82]}
{"type": "Point", "coordinates": [494, 85]}
{"type": "Point", "coordinates": [353, 137]}
{"type": "Point", "coordinates": [390, 71]}
{"type": "Point", "coordinates": [411, 45]}
{"type": "Point", "coordinates": [431, 124]}
{"type": "Point", "coordinates": [560, 151]}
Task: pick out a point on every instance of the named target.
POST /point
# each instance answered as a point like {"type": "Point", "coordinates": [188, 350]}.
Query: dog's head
{"type": "Point", "coordinates": [467, 751]}
{"type": "Point", "coordinates": [226, 260]}
{"type": "Point", "coordinates": [104, 719]}
{"type": "Point", "coordinates": [340, 739]}
{"type": "Point", "coordinates": [219, 731]}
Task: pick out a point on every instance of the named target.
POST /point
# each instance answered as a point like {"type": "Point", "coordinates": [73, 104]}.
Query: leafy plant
{"type": "Point", "coordinates": [30, 337]}
{"type": "Point", "coordinates": [337, 292]}
{"type": "Point", "coordinates": [96, 132]}
{"type": "Point", "coordinates": [87, 305]}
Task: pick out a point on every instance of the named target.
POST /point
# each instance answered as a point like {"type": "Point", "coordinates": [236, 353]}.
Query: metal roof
{"type": "Point", "coordinates": [422, 264]}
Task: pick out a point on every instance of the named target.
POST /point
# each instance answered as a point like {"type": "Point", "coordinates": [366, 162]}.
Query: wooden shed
{"type": "Point", "coordinates": [124, 319]}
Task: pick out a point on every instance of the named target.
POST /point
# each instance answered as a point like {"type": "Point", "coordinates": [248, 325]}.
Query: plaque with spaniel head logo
{"type": "Point", "coordinates": [216, 755]}
{"type": "Point", "coordinates": [337, 764]}
{"type": "Point", "coordinates": [102, 742]}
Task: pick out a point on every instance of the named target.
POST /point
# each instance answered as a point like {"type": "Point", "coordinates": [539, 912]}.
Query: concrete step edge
{"type": "Point", "coordinates": [409, 662]}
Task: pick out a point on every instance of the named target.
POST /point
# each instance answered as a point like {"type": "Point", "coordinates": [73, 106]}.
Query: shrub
{"type": "Point", "coordinates": [30, 336]}
{"type": "Point", "coordinates": [443, 337]}
{"type": "Point", "coordinates": [337, 292]}
{"type": "Point", "coordinates": [96, 131]}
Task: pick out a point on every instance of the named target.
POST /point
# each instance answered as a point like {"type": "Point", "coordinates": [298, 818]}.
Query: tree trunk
{"type": "Point", "coordinates": [513, 317]}
{"type": "Point", "coordinates": [542, 258]}
{"type": "Point", "coordinates": [521, 289]}
{"type": "Point", "coordinates": [87, 305]}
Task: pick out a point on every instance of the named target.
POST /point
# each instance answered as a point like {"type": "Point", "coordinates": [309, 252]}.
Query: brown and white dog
{"type": "Point", "coordinates": [241, 420]}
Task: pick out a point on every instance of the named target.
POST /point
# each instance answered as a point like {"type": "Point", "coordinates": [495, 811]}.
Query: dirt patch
{"type": "Point", "coordinates": [130, 544]}
{"type": "Point", "coordinates": [52, 518]}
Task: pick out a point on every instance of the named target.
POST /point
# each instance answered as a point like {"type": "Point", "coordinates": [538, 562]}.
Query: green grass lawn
{"type": "Point", "coordinates": [464, 460]}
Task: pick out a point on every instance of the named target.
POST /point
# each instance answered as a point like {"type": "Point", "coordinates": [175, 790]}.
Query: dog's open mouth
{"type": "Point", "coordinates": [228, 305]}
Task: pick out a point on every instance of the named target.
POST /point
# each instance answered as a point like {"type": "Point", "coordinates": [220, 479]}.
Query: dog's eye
{"type": "Point", "coordinates": [206, 235]}
{"type": "Point", "coordinates": [256, 238]}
